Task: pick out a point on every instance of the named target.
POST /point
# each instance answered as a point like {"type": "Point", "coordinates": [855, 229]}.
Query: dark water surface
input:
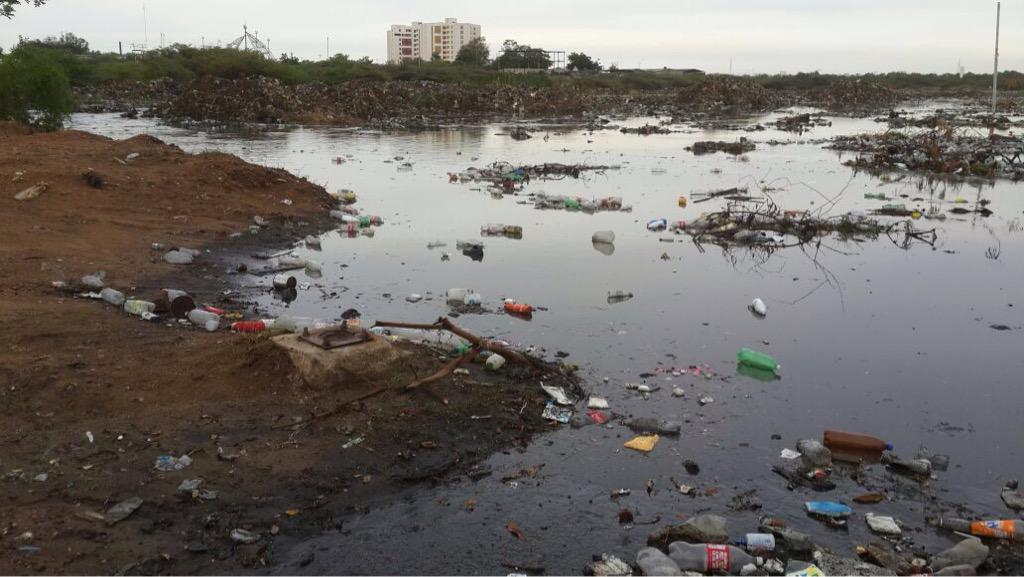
{"type": "Point", "coordinates": [871, 337]}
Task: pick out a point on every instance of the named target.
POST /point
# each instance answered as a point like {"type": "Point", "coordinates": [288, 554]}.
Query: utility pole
{"type": "Point", "coordinates": [145, 28]}
{"type": "Point", "coordinates": [995, 66]}
{"type": "Point", "coordinates": [328, 46]}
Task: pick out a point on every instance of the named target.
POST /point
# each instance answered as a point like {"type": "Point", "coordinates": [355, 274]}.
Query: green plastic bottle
{"type": "Point", "coordinates": [364, 221]}
{"type": "Point", "coordinates": [757, 360]}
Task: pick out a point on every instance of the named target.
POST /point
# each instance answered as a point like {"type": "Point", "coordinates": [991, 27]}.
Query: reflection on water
{"type": "Point", "coordinates": [889, 336]}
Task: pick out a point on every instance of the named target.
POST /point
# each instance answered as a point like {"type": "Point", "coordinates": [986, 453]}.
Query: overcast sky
{"type": "Point", "coordinates": [757, 36]}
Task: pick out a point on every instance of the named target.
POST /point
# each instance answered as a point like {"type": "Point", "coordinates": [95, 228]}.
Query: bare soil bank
{"type": "Point", "coordinates": [91, 397]}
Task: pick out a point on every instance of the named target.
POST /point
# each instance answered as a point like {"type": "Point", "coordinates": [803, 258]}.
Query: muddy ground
{"type": "Point", "coordinates": [91, 397]}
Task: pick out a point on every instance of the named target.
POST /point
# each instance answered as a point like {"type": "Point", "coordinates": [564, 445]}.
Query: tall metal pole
{"type": "Point", "coordinates": [995, 66]}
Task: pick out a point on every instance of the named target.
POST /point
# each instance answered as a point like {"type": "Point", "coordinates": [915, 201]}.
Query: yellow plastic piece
{"type": "Point", "coordinates": [682, 201]}
{"type": "Point", "coordinates": [642, 443]}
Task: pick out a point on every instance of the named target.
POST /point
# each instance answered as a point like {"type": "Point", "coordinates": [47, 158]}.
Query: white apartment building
{"type": "Point", "coordinates": [422, 40]}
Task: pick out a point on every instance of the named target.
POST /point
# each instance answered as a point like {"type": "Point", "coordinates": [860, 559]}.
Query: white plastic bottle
{"type": "Point", "coordinates": [653, 562]}
{"type": "Point", "coordinates": [112, 296]}
{"type": "Point", "coordinates": [205, 319]}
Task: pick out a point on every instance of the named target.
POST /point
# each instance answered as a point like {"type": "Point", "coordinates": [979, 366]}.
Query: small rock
{"type": "Point", "coordinates": [691, 467]}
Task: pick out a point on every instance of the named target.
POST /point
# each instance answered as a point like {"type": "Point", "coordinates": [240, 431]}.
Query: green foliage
{"type": "Point", "coordinates": [34, 89]}
{"type": "Point", "coordinates": [580, 61]}
{"type": "Point", "coordinates": [7, 6]}
{"type": "Point", "coordinates": [474, 53]}
{"type": "Point", "coordinates": [515, 55]}
{"type": "Point", "coordinates": [66, 41]}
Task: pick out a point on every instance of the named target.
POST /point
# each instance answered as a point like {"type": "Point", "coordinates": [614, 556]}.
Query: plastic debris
{"type": "Point", "coordinates": [642, 443]}
{"type": "Point", "coordinates": [554, 413]}
{"type": "Point", "coordinates": [169, 463]}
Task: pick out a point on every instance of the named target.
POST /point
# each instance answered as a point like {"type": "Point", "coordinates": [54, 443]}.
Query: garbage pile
{"type": "Point", "coordinates": [761, 222]}
{"type": "Point", "coordinates": [721, 92]}
{"type": "Point", "coordinates": [703, 544]}
{"type": "Point", "coordinates": [742, 146]}
{"type": "Point", "coordinates": [390, 104]}
{"type": "Point", "coordinates": [948, 151]}
{"type": "Point", "coordinates": [945, 118]}
{"type": "Point", "coordinates": [853, 95]}
{"type": "Point", "coordinates": [801, 123]}
{"type": "Point", "coordinates": [124, 95]}
{"type": "Point", "coordinates": [646, 130]}
{"type": "Point", "coordinates": [506, 175]}
{"type": "Point", "coordinates": [544, 201]}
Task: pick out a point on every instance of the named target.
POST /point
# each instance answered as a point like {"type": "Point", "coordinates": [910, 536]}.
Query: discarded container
{"type": "Point", "coordinates": [473, 300]}
{"type": "Point", "coordinates": [757, 360]}
{"type": "Point", "coordinates": [657, 224]}
{"type": "Point", "coordinates": [855, 442]}
{"type": "Point", "coordinates": [283, 281]}
{"type": "Point", "coordinates": [619, 296]}
{"type": "Point", "coordinates": [757, 542]}
{"type": "Point", "coordinates": [495, 362]}
{"type": "Point", "coordinates": [249, 326]}
{"type": "Point", "coordinates": [555, 413]}
{"type": "Point", "coordinates": [291, 261]}
{"type": "Point", "coordinates": [518, 308]}
{"type": "Point", "coordinates": [179, 257]}
{"type": "Point", "coordinates": [205, 319]}
{"type": "Point", "coordinates": [95, 280]}
{"type": "Point", "coordinates": [597, 403]}
{"type": "Point", "coordinates": [458, 294]}
{"type": "Point", "coordinates": [1007, 529]}
{"type": "Point", "coordinates": [921, 467]}
{"type": "Point", "coordinates": [883, 525]}
{"type": "Point", "coordinates": [603, 236]}
{"type": "Point", "coordinates": [803, 569]}
{"type": "Point", "coordinates": [813, 453]}
{"type": "Point", "coordinates": [682, 201]}
{"type": "Point", "coordinates": [557, 394]}
{"type": "Point", "coordinates": [759, 308]}
{"type": "Point", "coordinates": [139, 307]}
{"type": "Point", "coordinates": [653, 562]}
{"type": "Point", "coordinates": [829, 509]}
{"type": "Point", "coordinates": [642, 443]}
{"type": "Point", "coordinates": [796, 542]}
{"type": "Point", "coordinates": [971, 552]}
{"type": "Point", "coordinates": [710, 557]}
{"type": "Point", "coordinates": [112, 296]}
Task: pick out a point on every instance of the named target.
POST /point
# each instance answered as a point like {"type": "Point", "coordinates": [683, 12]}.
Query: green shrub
{"type": "Point", "coordinates": [34, 89]}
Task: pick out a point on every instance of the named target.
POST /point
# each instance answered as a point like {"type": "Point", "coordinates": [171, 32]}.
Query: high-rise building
{"type": "Point", "coordinates": [424, 40]}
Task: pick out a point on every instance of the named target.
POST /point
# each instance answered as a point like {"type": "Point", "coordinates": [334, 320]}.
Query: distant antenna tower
{"type": "Point", "coordinates": [251, 43]}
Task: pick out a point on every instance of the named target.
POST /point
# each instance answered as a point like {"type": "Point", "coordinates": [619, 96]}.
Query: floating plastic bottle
{"type": "Point", "coordinates": [112, 296]}
{"type": "Point", "coordinates": [813, 453]}
{"type": "Point", "coordinates": [472, 299]}
{"type": "Point", "coordinates": [619, 296]}
{"type": "Point", "coordinates": [758, 360]}
{"type": "Point", "coordinates": [757, 542]}
{"type": "Point", "coordinates": [209, 321]}
{"type": "Point", "coordinates": [283, 281]}
{"type": "Point", "coordinates": [657, 224]}
{"type": "Point", "coordinates": [653, 562]}
{"type": "Point", "coordinates": [854, 442]}
{"type": "Point", "coordinates": [139, 307]}
{"type": "Point", "coordinates": [458, 294]}
{"type": "Point", "coordinates": [518, 308]}
{"type": "Point", "coordinates": [250, 326]}
{"type": "Point", "coordinates": [495, 362]}
{"type": "Point", "coordinates": [759, 308]}
{"type": "Point", "coordinates": [710, 558]}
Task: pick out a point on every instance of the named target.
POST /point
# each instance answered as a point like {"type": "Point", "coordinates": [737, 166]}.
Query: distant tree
{"type": "Point", "coordinates": [288, 58]}
{"type": "Point", "coordinates": [34, 89]}
{"type": "Point", "coordinates": [474, 53]}
{"type": "Point", "coordinates": [580, 61]}
{"type": "Point", "coordinates": [66, 41]}
{"type": "Point", "coordinates": [365, 60]}
{"type": "Point", "coordinates": [7, 6]}
{"type": "Point", "coordinates": [515, 55]}
{"type": "Point", "coordinates": [435, 57]}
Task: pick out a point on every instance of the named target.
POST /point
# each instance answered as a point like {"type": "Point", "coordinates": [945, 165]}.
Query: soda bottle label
{"type": "Point", "coordinates": [718, 558]}
{"type": "Point", "coordinates": [993, 529]}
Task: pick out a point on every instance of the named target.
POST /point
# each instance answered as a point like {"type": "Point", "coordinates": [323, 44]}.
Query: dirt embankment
{"type": "Point", "coordinates": [91, 397]}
